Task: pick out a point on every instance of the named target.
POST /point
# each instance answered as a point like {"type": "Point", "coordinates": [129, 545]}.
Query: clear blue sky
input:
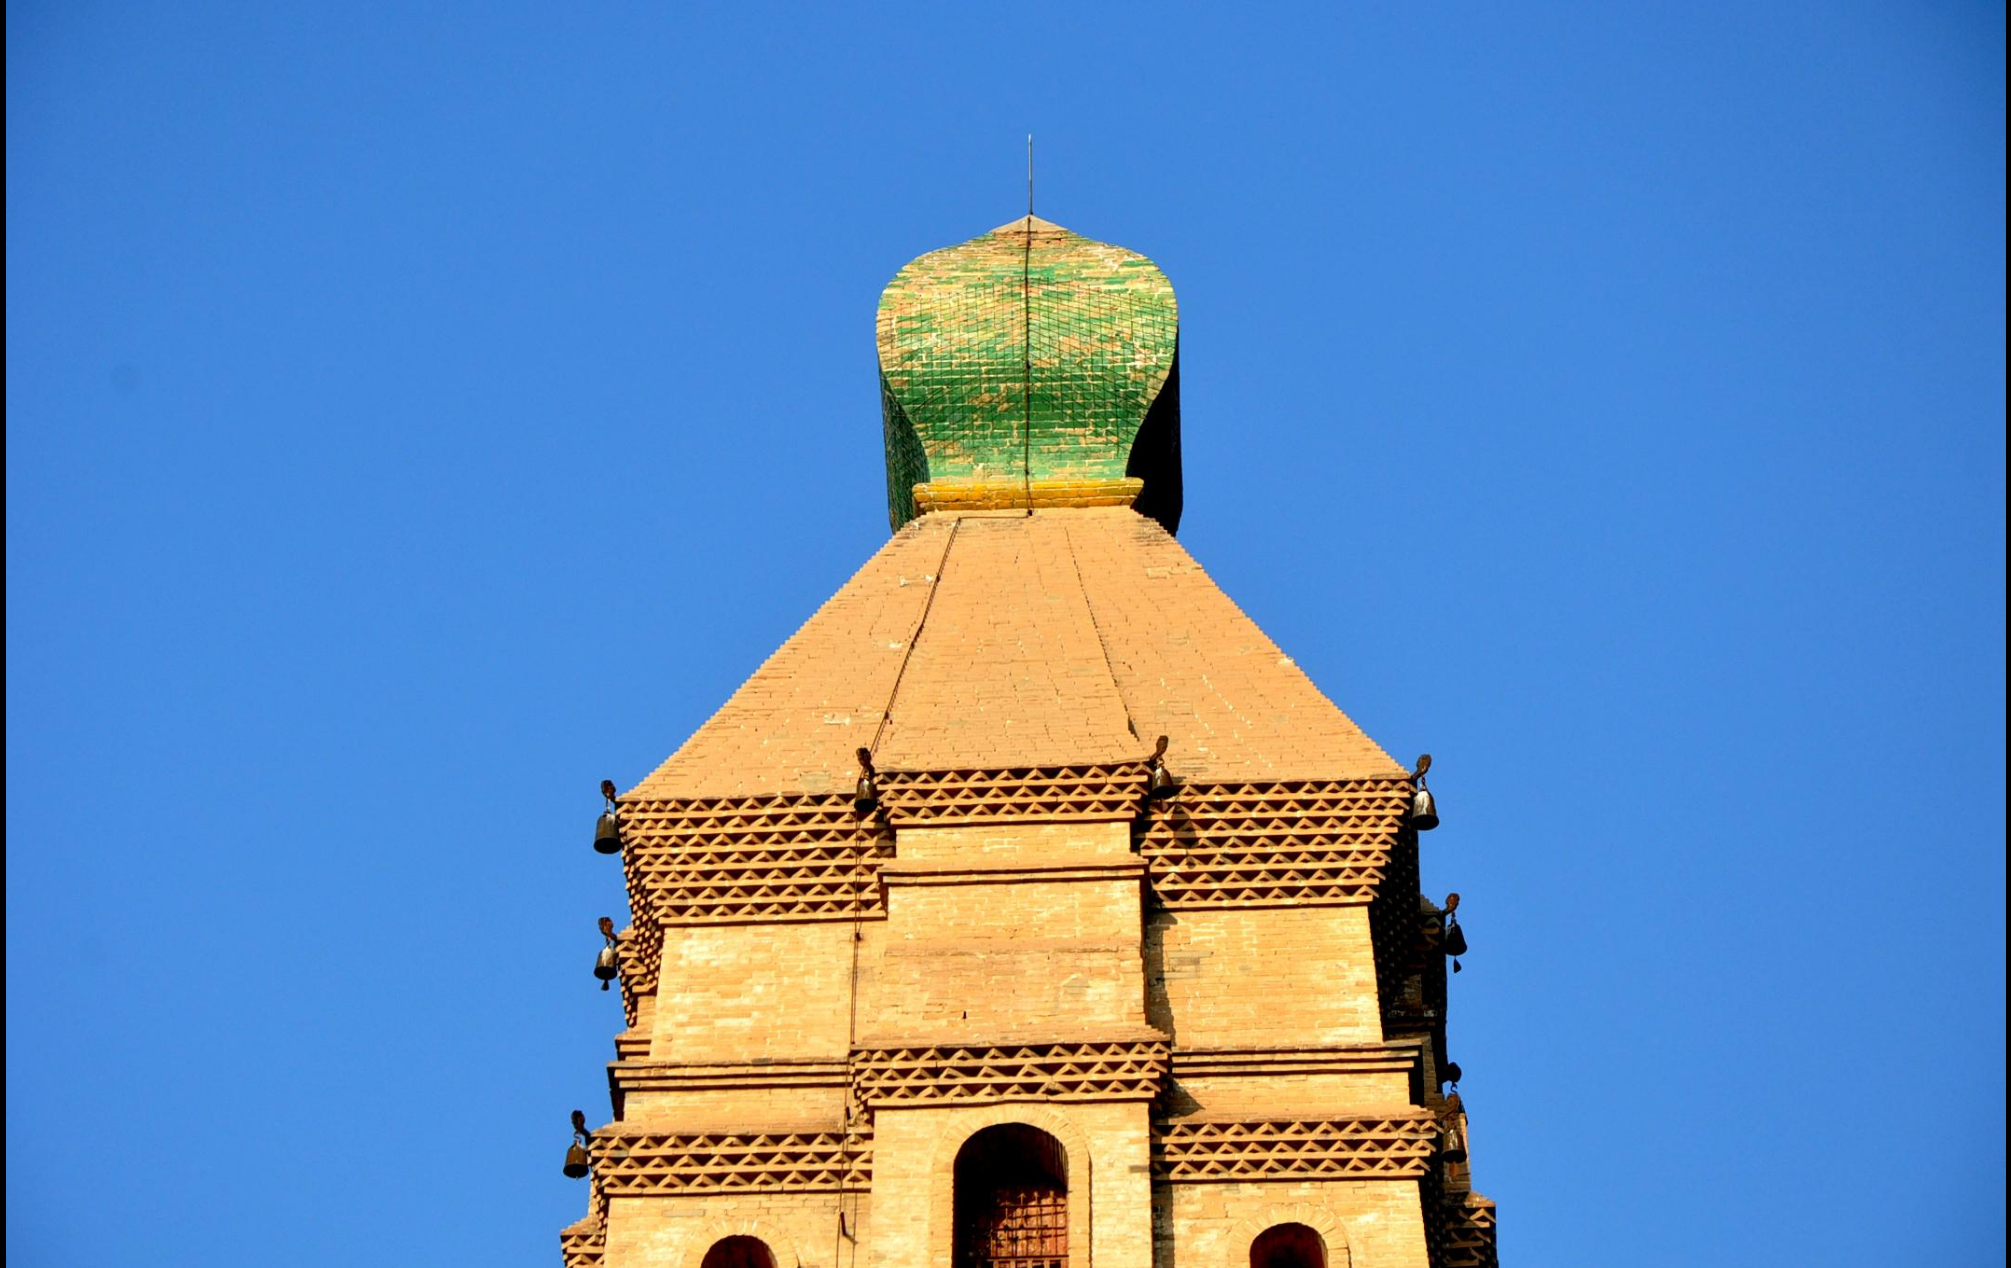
{"type": "Point", "coordinates": [416, 414]}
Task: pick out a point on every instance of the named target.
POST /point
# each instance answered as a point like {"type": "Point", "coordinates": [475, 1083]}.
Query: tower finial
{"type": "Point", "coordinates": [1029, 176]}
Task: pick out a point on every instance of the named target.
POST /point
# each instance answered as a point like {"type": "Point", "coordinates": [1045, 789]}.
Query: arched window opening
{"type": "Point", "coordinates": [738, 1252]}
{"type": "Point", "coordinates": [1011, 1200]}
{"type": "Point", "coordinates": [1288, 1246]}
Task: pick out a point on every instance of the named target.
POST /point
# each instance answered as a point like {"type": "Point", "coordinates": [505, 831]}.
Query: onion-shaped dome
{"type": "Point", "coordinates": [1033, 367]}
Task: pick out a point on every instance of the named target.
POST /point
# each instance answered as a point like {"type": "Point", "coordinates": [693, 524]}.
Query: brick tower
{"type": "Point", "coordinates": [934, 964]}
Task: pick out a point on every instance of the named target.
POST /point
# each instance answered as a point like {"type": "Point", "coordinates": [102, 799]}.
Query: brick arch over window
{"type": "Point", "coordinates": [780, 1247]}
{"type": "Point", "coordinates": [968, 1123]}
{"type": "Point", "coordinates": [1011, 1200]}
{"type": "Point", "coordinates": [1333, 1234]}
{"type": "Point", "coordinates": [738, 1251]}
{"type": "Point", "coordinates": [1288, 1246]}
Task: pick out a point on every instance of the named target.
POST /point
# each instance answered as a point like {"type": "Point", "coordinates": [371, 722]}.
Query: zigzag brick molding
{"type": "Point", "coordinates": [584, 1244]}
{"type": "Point", "coordinates": [1122, 1070]}
{"type": "Point", "coordinates": [1397, 1147]}
{"type": "Point", "coordinates": [1296, 843]}
{"type": "Point", "coordinates": [645, 1163]}
{"type": "Point", "coordinates": [799, 856]}
{"type": "Point", "coordinates": [639, 953]}
{"type": "Point", "coordinates": [1051, 794]}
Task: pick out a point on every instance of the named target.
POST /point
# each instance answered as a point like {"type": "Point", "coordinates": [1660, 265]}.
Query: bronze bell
{"type": "Point", "coordinates": [866, 794]}
{"type": "Point", "coordinates": [1455, 940]}
{"type": "Point", "coordinates": [607, 829]}
{"type": "Point", "coordinates": [576, 1153]}
{"type": "Point", "coordinates": [1160, 786]}
{"type": "Point", "coordinates": [1451, 1141]}
{"type": "Point", "coordinates": [1423, 810]}
{"type": "Point", "coordinates": [606, 967]}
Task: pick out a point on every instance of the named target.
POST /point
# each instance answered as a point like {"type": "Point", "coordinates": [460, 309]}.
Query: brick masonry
{"type": "Point", "coordinates": [1226, 1007]}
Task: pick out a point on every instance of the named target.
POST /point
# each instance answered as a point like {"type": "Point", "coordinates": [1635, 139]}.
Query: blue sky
{"type": "Point", "coordinates": [416, 414]}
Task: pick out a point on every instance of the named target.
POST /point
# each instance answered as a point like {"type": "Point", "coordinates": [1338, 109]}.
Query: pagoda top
{"type": "Point", "coordinates": [1030, 367]}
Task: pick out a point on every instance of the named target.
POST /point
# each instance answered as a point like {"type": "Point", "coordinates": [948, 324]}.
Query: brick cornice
{"type": "Point", "coordinates": [1382, 1058]}
{"type": "Point", "coordinates": [977, 871]}
{"type": "Point", "coordinates": [709, 1076]}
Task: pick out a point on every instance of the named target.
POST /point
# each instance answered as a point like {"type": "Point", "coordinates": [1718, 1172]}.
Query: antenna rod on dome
{"type": "Point", "coordinates": [1026, 320]}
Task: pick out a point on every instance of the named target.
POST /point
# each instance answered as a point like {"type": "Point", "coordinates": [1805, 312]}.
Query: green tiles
{"type": "Point", "coordinates": [954, 375]}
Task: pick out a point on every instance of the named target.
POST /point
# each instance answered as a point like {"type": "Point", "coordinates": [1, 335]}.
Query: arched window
{"type": "Point", "coordinates": [1011, 1200]}
{"type": "Point", "coordinates": [1288, 1246]}
{"type": "Point", "coordinates": [738, 1252]}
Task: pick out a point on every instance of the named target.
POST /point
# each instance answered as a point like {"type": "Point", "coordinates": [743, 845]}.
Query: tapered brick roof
{"type": "Point", "coordinates": [1061, 637]}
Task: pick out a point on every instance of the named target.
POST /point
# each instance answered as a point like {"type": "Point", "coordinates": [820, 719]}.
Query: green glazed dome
{"type": "Point", "coordinates": [1030, 366]}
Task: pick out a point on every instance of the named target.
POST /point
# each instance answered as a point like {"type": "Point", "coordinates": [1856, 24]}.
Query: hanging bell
{"type": "Point", "coordinates": [607, 829]}
{"type": "Point", "coordinates": [1451, 1141]}
{"type": "Point", "coordinates": [866, 794]}
{"type": "Point", "coordinates": [1160, 785]}
{"type": "Point", "coordinates": [576, 1153]}
{"type": "Point", "coordinates": [607, 833]}
{"type": "Point", "coordinates": [1423, 810]}
{"type": "Point", "coordinates": [606, 967]}
{"type": "Point", "coordinates": [1455, 940]}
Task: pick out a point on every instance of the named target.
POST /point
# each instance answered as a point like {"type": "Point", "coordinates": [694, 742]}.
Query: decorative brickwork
{"type": "Point", "coordinates": [1295, 843]}
{"type": "Point", "coordinates": [1466, 1237]}
{"type": "Point", "coordinates": [1122, 1070]}
{"type": "Point", "coordinates": [640, 1164]}
{"type": "Point", "coordinates": [1218, 1013]}
{"type": "Point", "coordinates": [737, 859]}
{"type": "Point", "coordinates": [640, 954]}
{"type": "Point", "coordinates": [1052, 794]}
{"type": "Point", "coordinates": [1392, 1148]}
{"type": "Point", "coordinates": [584, 1244]}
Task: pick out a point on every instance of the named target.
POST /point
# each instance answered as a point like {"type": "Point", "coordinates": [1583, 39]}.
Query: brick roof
{"type": "Point", "coordinates": [1070, 636]}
